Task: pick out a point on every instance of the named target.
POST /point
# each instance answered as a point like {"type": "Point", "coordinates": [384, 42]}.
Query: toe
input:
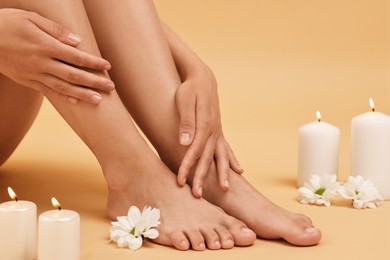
{"type": "Point", "coordinates": [303, 235]}
{"type": "Point", "coordinates": [180, 241]}
{"type": "Point", "coordinates": [242, 235]}
{"type": "Point", "coordinates": [212, 239]}
{"type": "Point", "coordinates": [226, 238]}
{"type": "Point", "coordinates": [197, 240]}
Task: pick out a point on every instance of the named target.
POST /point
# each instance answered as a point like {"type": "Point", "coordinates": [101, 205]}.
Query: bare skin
{"type": "Point", "coordinates": [109, 132]}
{"type": "Point", "coordinates": [160, 120]}
{"type": "Point", "coordinates": [147, 81]}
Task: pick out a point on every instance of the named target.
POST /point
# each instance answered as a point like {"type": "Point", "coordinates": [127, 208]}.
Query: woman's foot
{"type": "Point", "coordinates": [186, 222]}
{"type": "Point", "coordinates": [266, 219]}
{"type": "Point", "coordinates": [245, 203]}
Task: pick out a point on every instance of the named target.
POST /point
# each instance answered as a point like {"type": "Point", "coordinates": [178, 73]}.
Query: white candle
{"type": "Point", "coordinates": [59, 234]}
{"type": "Point", "coordinates": [18, 229]}
{"type": "Point", "coordinates": [370, 149]}
{"type": "Point", "coordinates": [318, 150]}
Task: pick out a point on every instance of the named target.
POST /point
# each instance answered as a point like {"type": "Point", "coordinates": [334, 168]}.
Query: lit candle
{"type": "Point", "coordinates": [318, 150]}
{"type": "Point", "coordinates": [370, 149]}
{"type": "Point", "coordinates": [18, 229]}
{"type": "Point", "coordinates": [59, 234]}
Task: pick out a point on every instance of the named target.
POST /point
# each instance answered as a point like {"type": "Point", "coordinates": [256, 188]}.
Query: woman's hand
{"type": "Point", "coordinates": [40, 54]}
{"type": "Point", "coordinates": [200, 129]}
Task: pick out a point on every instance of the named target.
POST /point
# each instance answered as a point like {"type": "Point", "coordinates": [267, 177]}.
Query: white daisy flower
{"type": "Point", "coordinates": [363, 193]}
{"type": "Point", "coordinates": [131, 230]}
{"type": "Point", "coordinates": [319, 190]}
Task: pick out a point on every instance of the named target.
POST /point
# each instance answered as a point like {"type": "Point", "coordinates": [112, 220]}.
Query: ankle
{"type": "Point", "coordinates": [117, 180]}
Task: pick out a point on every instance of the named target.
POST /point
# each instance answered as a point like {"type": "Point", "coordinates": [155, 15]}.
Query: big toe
{"type": "Point", "coordinates": [303, 235]}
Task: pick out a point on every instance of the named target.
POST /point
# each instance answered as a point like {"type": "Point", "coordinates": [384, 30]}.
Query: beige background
{"type": "Point", "coordinates": [276, 63]}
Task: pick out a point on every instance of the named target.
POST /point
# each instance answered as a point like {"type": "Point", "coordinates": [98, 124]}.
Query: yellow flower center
{"type": "Point", "coordinates": [320, 191]}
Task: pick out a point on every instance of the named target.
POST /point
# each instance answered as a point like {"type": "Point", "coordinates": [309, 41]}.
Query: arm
{"type": "Point", "coordinates": [200, 120]}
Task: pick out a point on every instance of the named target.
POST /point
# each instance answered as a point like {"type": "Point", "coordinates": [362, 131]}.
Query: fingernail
{"type": "Point", "coordinates": [95, 99]}
{"type": "Point", "coordinates": [107, 66]}
{"type": "Point", "coordinates": [185, 138]}
{"type": "Point", "coordinates": [74, 38]}
{"type": "Point", "coordinates": [200, 192]}
{"type": "Point", "coordinates": [246, 230]}
{"type": "Point", "coordinates": [73, 100]}
{"type": "Point", "coordinates": [226, 183]}
{"type": "Point", "coordinates": [311, 230]}
{"type": "Point", "coordinates": [110, 86]}
{"type": "Point", "coordinates": [184, 181]}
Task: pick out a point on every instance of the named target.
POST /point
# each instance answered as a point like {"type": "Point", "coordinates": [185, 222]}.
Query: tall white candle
{"type": "Point", "coordinates": [370, 149]}
{"type": "Point", "coordinates": [18, 229]}
{"type": "Point", "coordinates": [59, 234]}
{"type": "Point", "coordinates": [318, 150]}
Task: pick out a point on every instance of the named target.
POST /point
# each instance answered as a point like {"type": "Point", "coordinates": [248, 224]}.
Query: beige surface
{"type": "Point", "coordinates": [276, 63]}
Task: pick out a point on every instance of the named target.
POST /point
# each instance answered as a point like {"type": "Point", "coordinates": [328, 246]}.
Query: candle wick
{"type": "Point", "coordinates": [59, 208]}
{"type": "Point", "coordinates": [319, 120]}
{"type": "Point", "coordinates": [373, 109]}
{"type": "Point", "coordinates": [16, 199]}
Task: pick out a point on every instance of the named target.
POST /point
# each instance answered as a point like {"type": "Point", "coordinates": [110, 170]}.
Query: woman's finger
{"type": "Point", "coordinates": [186, 105]}
{"type": "Point", "coordinates": [78, 58]}
{"type": "Point", "coordinates": [222, 163]}
{"type": "Point", "coordinates": [203, 167]}
{"type": "Point", "coordinates": [54, 29]}
{"type": "Point", "coordinates": [192, 155]}
{"type": "Point", "coordinates": [76, 92]}
{"type": "Point", "coordinates": [66, 52]}
{"type": "Point", "coordinates": [234, 164]}
{"type": "Point", "coordinates": [79, 77]}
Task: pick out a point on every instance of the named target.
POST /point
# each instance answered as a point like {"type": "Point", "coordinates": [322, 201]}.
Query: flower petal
{"type": "Point", "coordinates": [123, 241]}
{"type": "Point", "coordinates": [115, 235]}
{"type": "Point", "coordinates": [151, 233]}
{"type": "Point", "coordinates": [133, 216]}
{"type": "Point", "coordinates": [135, 242]}
{"type": "Point", "coordinates": [124, 222]}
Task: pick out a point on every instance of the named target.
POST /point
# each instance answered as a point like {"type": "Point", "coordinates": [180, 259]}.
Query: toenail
{"type": "Point", "coordinates": [229, 242]}
{"type": "Point", "coordinates": [202, 245]}
{"type": "Point", "coordinates": [217, 243]}
{"type": "Point", "coordinates": [200, 191]}
{"type": "Point", "coordinates": [184, 243]}
{"type": "Point", "coordinates": [246, 230]}
{"type": "Point", "coordinates": [311, 230]}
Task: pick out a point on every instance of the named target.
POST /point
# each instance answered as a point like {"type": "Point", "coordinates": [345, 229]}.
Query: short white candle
{"type": "Point", "coordinates": [370, 149]}
{"type": "Point", "coordinates": [18, 229]}
{"type": "Point", "coordinates": [59, 234]}
{"type": "Point", "coordinates": [318, 150]}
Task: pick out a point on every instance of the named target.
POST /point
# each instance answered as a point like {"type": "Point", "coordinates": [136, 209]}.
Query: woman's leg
{"type": "Point", "coordinates": [18, 109]}
{"type": "Point", "coordinates": [134, 174]}
{"type": "Point", "coordinates": [147, 78]}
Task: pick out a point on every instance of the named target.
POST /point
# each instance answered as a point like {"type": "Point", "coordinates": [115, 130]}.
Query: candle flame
{"type": "Point", "coordinates": [12, 194]}
{"type": "Point", "coordinates": [372, 105]}
{"type": "Point", "coordinates": [55, 203]}
{"type": "Point", "coordinates": [318, 115]}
